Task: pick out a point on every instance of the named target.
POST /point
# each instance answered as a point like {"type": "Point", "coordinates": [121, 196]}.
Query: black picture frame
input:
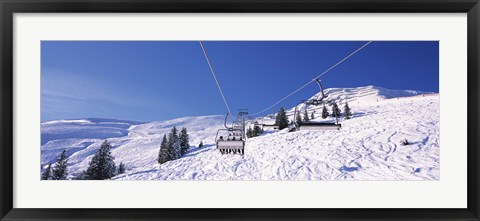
{"type": "Point", "coordinates": [9, 7]}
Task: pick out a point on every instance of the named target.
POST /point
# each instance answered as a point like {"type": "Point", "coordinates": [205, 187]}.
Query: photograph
{"type": "Point", "coordinates": [222, 110]}
{"type": "Point", "coordinates": [316, 110]}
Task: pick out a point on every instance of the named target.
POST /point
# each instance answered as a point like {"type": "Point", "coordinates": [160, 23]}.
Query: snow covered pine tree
{"type": "Point", "coordinates": [324, 112]}
{"type": "Point", "coordinates": [102, 166]}
{"type": "Point", "coordinates": [163, 153]}
{"type": "Point", "coordinates": [305, 116]}
{"type": "Point", "coordinates": [298, 119]}
{"type": "Point", "coordinates": [348, 111]}
{"type": "Point", "coordinates": [249, 132]}
{"type": "Point", "coordinates": [60, 171]}
{"type": "Point", "coordinates": [173, 144]}
{"type": "Point", "coordinates": [257, 131]}
{"type": "Point", "coordinates": [335, 110]}
{"type": "Point", "coordinates": [47, 173]}
{"type": "Point", "coordinates": [281, 120]}
{"type": "Point", "coordinates": [184, 141]}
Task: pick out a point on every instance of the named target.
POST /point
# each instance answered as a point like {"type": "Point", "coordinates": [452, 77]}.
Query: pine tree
{"type": "Point", "coordinates": [121, 168]}
{"type": "Point", "coordinates": [298, 119]}
{"type": "Point", "coordinates": [201, 144]}
{"type": "Point", "coordinates": [348, 111]}
{"type": "Point", "coordinates": [163, 155]}
{"type": "Point", "coordinates": [60, 171]}
{"type": "Point", "coordinates": [47, 173]}
{"type": "Point", "coordinates": [257, 131]}
{"type": "Point", "coordinates": [305, 117]}
{"type": "Point", "coordinates": [312, 116]}
{"type": "Point", "coordinates": [335, 110]}
{"type": "Point", "coordinates": [249, 132]}
{"type": "Point", "coordinates": [173, 144]}
{"type": "Point", "coordinates": [281, 120]}
{"type": "Point", "coordinates": [184, 141]}
{"type": "Point", "coordinates": [324, 112]}
{"type": "Point", "coordinates": [102, 165]}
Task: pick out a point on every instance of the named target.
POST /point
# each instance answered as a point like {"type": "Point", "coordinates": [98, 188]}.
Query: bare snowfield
{"type": "Point", "coordinates": [367, 147]}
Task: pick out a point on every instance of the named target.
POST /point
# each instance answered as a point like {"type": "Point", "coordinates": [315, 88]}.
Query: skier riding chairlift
{"type": "Point", "coordinates": [236, 132]}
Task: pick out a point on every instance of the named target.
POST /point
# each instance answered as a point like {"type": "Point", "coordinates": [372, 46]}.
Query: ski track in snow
{"type": "Point", "coordinates": [366, 148]}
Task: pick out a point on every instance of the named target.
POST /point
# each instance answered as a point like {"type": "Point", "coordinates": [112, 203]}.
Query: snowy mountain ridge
{"type": "Point", "coordinates": [366, 94]}
{"type": "Point", "coordinates": [357, 96]}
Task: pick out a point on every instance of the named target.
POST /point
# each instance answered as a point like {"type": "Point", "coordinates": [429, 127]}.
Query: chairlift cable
{"type": "Point", "coordinates": [344, 59]}
{"type": "Point", "coordinates": [215, 77]}
{"type": "Point", "coordinates": [268, 108]}
{"type": "Point", "coordinates": [313, 80]}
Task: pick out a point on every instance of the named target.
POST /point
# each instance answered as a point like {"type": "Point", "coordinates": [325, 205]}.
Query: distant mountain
{"type": "Point", "coordinates": [85, 128]}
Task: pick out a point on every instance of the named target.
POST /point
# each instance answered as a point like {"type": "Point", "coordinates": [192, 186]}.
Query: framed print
{"type": "Point", "coordinates": [239, 110]}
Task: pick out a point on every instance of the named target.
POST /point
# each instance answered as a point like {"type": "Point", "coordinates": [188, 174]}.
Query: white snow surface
{"type": "Point", "coordinates": [367, 94]}
{"type": "Point", "coordinates": [366, 148]}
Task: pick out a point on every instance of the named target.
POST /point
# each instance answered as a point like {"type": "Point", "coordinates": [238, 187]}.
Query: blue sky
{"type": "Point", "coordinates": [158, 80]}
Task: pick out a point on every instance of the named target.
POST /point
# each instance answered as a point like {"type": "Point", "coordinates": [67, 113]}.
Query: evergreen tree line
{"type": "Point", "coordinates": [347, 112]}
{"type": "Point", "coordinates": [101, 167]}
{"type": "Point", "coordinates": [174, 145]}
{"type": "Point", "coordinates": [282, 121]}
{"type": "Point", "coordinates": [304, 118]}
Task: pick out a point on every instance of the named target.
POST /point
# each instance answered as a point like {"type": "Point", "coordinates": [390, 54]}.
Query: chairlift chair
{"type": "Point", "coordinates": [316, 101]}
{"type": "Point", "coordinates": [266, 126]}
{"type": "Point", "coordinates": [234, 142]}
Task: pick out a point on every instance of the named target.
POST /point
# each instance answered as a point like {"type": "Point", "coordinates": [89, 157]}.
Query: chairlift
{"type": "Point", "coordinates": [265, 126]}
{"type": "Point", "coordinates": [234, 140]}
{"type": "Point", "coordinates": [316, 101]}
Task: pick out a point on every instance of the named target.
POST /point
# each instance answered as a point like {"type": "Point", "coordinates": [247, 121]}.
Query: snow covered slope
{"type": "Point", "coordinates": [366, 148]}
{"type": "Point", "coordinates": [358, 96]}
{"type": "Point", "coordinates": [133, 144]}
